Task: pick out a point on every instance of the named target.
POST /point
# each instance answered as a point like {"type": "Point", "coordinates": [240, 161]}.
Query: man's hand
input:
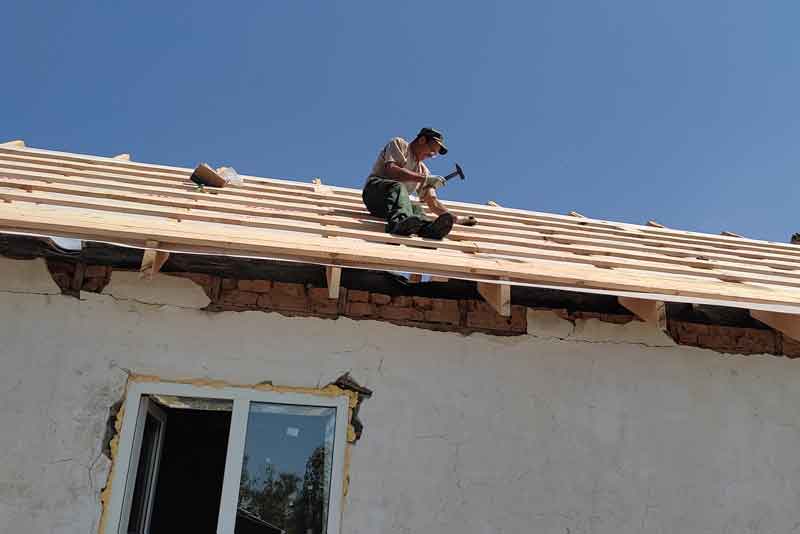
{"type": "Point", "coordinates": [434, 181]}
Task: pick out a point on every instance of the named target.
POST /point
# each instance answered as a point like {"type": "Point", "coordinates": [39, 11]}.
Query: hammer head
{"type": "Point", "coordinates": [459, 172]}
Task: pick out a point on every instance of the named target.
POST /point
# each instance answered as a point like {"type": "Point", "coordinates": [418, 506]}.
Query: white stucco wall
{"type": "Point", "coordinates": [591, 428]}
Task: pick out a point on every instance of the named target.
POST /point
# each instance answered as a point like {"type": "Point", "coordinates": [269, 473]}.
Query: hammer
{"type": "Point", "coordinates": [458, 172]}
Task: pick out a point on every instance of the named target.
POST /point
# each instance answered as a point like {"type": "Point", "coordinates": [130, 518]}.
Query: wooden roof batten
{"type": "Point", "coordinates": [118, 201]}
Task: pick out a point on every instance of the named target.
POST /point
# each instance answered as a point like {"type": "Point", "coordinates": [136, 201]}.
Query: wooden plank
{"type": "Point", "coordinates": [150, 206]}
{"type": "Point", "coordinates": [17, 143]}
{"type": "Point", "coordinates": [652, 312]}
{"type": "Point", "coordinates": [152, 260]}
{"type": "Point", "coordinates": [456, 235]}
{"type": "Point", "coordinates": [527, 216]}
{"type": "Point", "coordinates": [334, 277]}
{"type": "Point", "coordinates": [786, 323]}
{"type": "Point", "coordinates": [253, 242]}
{"type": "Point", "coordinates": [498, 296]}
{"type": "Point", "coordinates": [468, 234]}
{"type": "Point", "coordinates": [605, 227]}
{"type": "Point", "coordinates": [123, 157]}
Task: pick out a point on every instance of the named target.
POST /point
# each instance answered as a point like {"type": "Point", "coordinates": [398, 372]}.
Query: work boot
{"type": "Point", "coordinates": [410, 225]}
{"type": "Point", "coordinates": [438, 228]}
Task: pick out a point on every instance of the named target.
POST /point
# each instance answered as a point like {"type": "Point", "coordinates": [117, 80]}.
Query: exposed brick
{"type": "Point", "coordinates": [95, 271]}
{"type": "Point", "coordinates": [229, 283]}
{"type": "Point", "coordinates": [287, 302]}
{"type": "Point", "coordinates": [258, 286]}
{"type": "Point", "coordinates": [325, 307]}
{"type": "Point", "coordinates": [62, 280]}
{"type": "Point", "coordinates": [423, 303]}
{"type": "Point", "coordinates": [319, 294]}
{"type": "Point", "coordinates": [359, 309]}
{"type": "Point", "coordinates": [60, 267]}
{"type": "Point", "coordinates": [94, 285]}
{"type": "Point", "coordinates": [791, 348]}
{"type": "Point", "coordinates": [444, 311]}
{"type": "Point", "coordinates": [354, 295]}
{"type": "Point", "coordinates": [402, 301]}
{"type": "Point", "coordinates": [394, 313]}
{"type": "Point", "coordinates": [379, 298]}
{"type": "Point", "coordinates": [293, 290]}
{"type": "Point", "coordinates": [321, 303]}
{"type": "Point", "coordinates": [481, 316]}
{"type": "Point", "coordinates": [239, 298]}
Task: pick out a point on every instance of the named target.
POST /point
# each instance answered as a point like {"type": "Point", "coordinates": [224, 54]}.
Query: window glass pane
{"type": "Point", "coordinates": [286, 475]}
{"type": "Point", "coordinates": [144, 474]}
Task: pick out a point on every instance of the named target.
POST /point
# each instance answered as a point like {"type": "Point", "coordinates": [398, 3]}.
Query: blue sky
{"type": "Point", "coordinates": [685, 112]}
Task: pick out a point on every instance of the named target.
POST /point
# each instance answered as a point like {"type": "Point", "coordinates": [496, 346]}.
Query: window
{"type": "Point", "coordinates": [228, 461]}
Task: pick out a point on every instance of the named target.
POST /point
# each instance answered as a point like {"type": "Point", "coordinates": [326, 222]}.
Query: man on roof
{"type": "Point", "coordinates": [399, 171]}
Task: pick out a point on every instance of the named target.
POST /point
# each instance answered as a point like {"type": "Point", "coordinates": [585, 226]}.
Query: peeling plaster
{"type": "Point", "coordinates": [548, 325]}
{"type": "Point", "coordinates": [26, 276]}
{"type": "Point", "coordinates": [162, 290]}
{"type": "Point", "coordinates": [350, 389]}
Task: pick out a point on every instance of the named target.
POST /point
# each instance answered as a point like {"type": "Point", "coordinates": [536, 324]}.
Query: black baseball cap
{"type": "Point", "coordinates": [430, 133]}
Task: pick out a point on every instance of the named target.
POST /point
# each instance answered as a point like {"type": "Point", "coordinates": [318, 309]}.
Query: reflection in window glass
{"type": "Point", "coordinates": [286, 475]}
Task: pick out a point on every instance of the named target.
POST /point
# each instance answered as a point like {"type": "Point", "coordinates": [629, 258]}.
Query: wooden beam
{"type": "Point", "coordinates": [786, 323]}
{"type": "Point", "coordinates": [152, 260]}
{"type": "Point", "coordinates": [319, 187]}
{"type": "Point", "coordinates": [17, 143]}
{"type": "Point", "coordinates": [652, 312]}
{"type": "Point", "coordinates": [334, 276]}
{"type": "Point", "coordinates": [123, 157]}
{"type": "Point", "coordinates": [112, 198]}
{"type": "Point", "coordinates": [498, 296]}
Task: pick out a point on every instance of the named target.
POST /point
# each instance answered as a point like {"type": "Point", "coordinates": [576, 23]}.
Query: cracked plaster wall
{"type": "Point", "coordinates": [584, 428]}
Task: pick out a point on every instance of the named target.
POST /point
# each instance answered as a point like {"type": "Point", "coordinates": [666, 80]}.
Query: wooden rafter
{"type": "Point", "coordinates": [786, 323]}
{"type": "Point", "coordinates": [127, 202]}
{"type": "Point", "coordinates": [334, 277]}
{"type": "Point", "coordinates": [498, 296]}
{"type": "Point", "coordinates": [653, 312]}
{"type": "Point", "coordinates": [152, 260]}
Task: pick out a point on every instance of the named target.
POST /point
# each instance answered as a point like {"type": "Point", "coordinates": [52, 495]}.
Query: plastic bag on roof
{"type": "Point", "coordinates": [231, 176]}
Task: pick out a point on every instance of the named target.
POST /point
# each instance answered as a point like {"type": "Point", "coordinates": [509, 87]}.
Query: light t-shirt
{"type": "Point", "coordinates": [397, 150]}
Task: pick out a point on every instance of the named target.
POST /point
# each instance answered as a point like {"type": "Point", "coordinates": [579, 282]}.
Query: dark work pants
{"type": "Point", "coordinates": [388, 199]}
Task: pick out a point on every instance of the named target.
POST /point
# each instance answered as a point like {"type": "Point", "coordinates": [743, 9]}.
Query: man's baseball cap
{"type": "Point", "coordinates": [434, 134]}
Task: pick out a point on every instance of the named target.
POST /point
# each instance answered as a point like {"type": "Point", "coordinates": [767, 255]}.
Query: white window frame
{"type": "Point", "coordinates": [241, 397]}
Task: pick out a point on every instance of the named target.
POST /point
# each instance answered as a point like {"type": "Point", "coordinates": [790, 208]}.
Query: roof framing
{"type": "Point", "coordinates": [132, 203]}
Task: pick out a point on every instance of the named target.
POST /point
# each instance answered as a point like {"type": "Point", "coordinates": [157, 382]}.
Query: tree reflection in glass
{"type": "Point", "coordinates": [285, 484]}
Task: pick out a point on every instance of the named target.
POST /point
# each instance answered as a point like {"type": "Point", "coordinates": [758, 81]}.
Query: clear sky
{"type": "Point", "coordinates": [685, 111]}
